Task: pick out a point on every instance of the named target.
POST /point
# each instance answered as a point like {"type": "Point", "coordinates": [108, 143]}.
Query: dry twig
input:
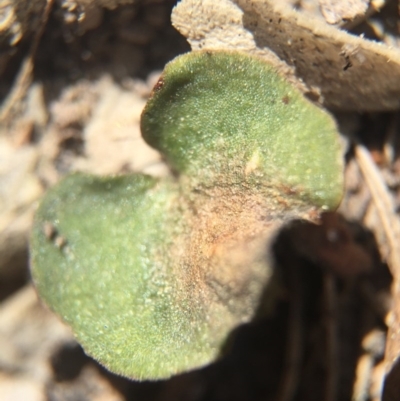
{"type": "Point", "coordinates": [24, 77]}
{"type": "Point", "coordinates": [384, 204]}
{"type": "Point", "coordinates": [390, 222]}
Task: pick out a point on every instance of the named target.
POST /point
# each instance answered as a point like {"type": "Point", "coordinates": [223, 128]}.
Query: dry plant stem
{"type": "Point", "coordinates": [293, 356]}
{"type": "Point", "coordinates": [331, 336]}
{"type": "Point", "coordinates": [384, 204]}
{"type": "Point", "coordinates": [24, 76]}
{"type": "Point", "coordinates": [371, 353]}
{"type": "Point", "coordinates": [391, 225]}
{"type": "Point", "coordinates": [364, 368]}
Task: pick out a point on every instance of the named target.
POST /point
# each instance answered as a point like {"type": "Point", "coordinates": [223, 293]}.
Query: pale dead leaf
{"type": "Point", "coordinates": [335, 11]}
{"type": "Point", "coordinates": [348, 72]}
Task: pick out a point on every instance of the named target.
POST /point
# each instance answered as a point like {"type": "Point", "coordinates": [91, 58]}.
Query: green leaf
{"type": "Point", "coordinates": [108, 276]}
{"type": "Point", "coordinates": [153, 274]}
{"type": "Point", "coordinates": [224, 117]}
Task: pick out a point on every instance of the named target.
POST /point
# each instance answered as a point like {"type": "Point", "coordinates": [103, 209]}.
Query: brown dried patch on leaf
{"type": "Point", "coordinates": [228, 245]}
{"type": "Point", "coordinates": [158, 86]}
{"type": "Point", "coordinates": [325, 58]}
{"type": "Point", "coordinates": [227, 251]}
